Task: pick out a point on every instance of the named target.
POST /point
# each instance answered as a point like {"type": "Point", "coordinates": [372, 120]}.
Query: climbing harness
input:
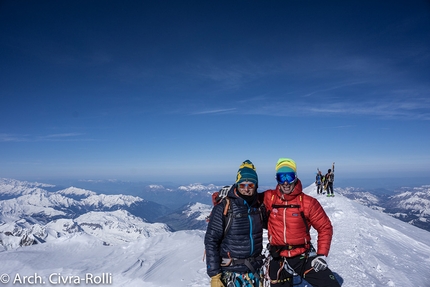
{"type": "Point", "coordinates": [233, 279]}
{"type": "Point", "coordinates": [285, 266]}
{"type": "Point", "coordinates": [247, 262]}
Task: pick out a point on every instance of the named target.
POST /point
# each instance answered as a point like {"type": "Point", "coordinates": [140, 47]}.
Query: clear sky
{"type": "Point", "coordinates": [186, 90]}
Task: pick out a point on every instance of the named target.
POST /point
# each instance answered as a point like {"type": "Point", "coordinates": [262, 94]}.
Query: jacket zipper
{"type": "Point", "coordinates": [250, 229]}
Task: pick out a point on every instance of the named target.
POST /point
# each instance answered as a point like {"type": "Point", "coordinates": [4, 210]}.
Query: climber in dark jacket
{"type": "Point", "coordinates": [233, 253]}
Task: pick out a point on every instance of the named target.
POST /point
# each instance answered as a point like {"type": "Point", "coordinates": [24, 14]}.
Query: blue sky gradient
{"type": "Point", "coordinates": [184, 91]}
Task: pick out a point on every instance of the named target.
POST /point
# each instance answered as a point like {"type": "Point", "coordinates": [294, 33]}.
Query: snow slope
{"type": "Point", "coordinates": [369, 248]}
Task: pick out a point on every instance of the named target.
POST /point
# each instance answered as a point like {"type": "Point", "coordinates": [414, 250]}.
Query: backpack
{"type": "Point", "coordinates": [218, 197]}
{"type": "Point", "coordinates": [319, 178]}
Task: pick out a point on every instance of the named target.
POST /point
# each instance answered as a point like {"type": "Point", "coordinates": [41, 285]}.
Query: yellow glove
{"type": "Point", "coordinates": [216, 281]}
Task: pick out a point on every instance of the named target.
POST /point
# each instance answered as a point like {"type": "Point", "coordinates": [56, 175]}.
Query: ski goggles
{"type": "Point", "coordinates": [244, 185]}
{"type": "Point", "coordinates": [286, 177]}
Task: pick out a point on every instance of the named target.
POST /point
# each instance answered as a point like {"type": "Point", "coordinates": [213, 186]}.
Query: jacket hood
{"type": "Point", "coordinates": [297, 190]}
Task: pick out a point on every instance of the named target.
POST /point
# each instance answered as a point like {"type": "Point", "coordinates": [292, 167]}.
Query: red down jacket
{"type": "Point", "coordinates": [286, 225]}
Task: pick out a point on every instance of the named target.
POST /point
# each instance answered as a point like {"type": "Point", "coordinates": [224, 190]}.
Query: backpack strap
{"type": "Point", "coordinates": [302, 214]}
{"type": "Point", "coordinates": [228, 215]}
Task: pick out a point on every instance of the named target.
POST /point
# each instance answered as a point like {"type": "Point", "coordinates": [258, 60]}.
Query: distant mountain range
{"type": "Point", "coordinates": [168, 194]}
{"type": "Point", "coordinates": [411, 205]}
{"type": "Point", "coordinates": [33, 213]}
{"type": "Point", "coordinates": [30, 214]}
{"type": "Point", "coordinates": [22, 198]}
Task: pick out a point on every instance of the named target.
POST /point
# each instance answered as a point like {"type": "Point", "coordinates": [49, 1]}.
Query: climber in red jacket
{"type": "Point", "coordinates": [291, 215]}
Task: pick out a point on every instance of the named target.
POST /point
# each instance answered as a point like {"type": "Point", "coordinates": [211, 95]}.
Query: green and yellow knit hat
{"type": "Point", "coordinates": [247, 172]}
{"type": "Point", "coordinates": [286, 165]}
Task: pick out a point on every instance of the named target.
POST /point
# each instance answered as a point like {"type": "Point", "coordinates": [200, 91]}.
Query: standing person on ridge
{"type": "Point", "coordinates": [234, 235]}
{"type": "Point", "coordinates": [329, 178]}
{"type": "Point", "coordinates": [291, 214]}
{"type": "Point", "coordinates": [319, 182]}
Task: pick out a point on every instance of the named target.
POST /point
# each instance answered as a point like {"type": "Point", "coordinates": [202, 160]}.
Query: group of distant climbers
{"type": "Point", "coordinates": [325, 182]}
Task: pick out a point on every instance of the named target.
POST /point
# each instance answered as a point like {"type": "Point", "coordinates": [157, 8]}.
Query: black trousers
{"type": "Point", "coordinates": [282, 278]}
{"type": "Point", "coordinates": [319, 188]}
{"type": "Point", "coordinates": [330, 188]}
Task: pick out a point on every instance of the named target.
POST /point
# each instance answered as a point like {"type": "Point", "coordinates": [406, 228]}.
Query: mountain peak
{"type": "Point", "coordinates": [75, 191]}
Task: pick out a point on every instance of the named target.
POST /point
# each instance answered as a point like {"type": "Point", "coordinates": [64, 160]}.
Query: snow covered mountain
{"type": "Point", "coordinates": [168, 194]}
{"type": "Point", "coordinates": [190, 216]}
{"type": "Point", "coordinates": [29, 214]}
{"type": "Point", "coordinates": [369, 248]}
{"type": "Point", "coordinates": [25, 199]}
{"type": "Point", "coordinates": [10, 188]}
{"type": "Point", "coordinates": [112, 228]}
{"type": "Point", "coordinates": [411, 205]}
{"type": "Point", "coordinates": [177, 197]}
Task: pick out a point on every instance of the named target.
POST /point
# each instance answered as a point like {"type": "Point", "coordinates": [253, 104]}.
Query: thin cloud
{"type": "Point", "coordinates": [219, 111]}
{"type": "Point", "coordinates": [391, 110]}
{"type": "Point", "coordinates": [51, 137]}
{"type": "Point", "coordinates": [340, 127]}
{"type": "Point", "coordinates": [230, 75]}
{"type": "Point", "coordinates": [13, 138]}
{"type": "Point", "coordinates": [399, 107]}
{"type": "Point", "coordinates": [61, 136]}
{"type": "Point", "coordinates": [332, 88]}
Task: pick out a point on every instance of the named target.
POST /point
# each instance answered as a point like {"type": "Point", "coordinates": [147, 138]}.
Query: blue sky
{"type": "Point", "coordinates": [184, 91]}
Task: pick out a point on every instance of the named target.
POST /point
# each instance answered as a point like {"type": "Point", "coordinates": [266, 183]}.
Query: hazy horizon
{"type": "Point", "coordinates": [384, 184]}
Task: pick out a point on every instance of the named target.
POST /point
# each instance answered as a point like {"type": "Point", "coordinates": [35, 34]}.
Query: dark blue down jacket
{"type": "Point", "coordinates": [243, 239]}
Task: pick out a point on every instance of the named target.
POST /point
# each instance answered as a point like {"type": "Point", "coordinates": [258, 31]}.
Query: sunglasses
{"type": "Point", "coordinates": [244, 185]}
{"type": "Point", "coordinates": [286, 177]}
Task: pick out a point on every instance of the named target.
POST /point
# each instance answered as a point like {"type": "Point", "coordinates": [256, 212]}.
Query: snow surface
{"type": "Point", "coordinates": [369, 248]}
